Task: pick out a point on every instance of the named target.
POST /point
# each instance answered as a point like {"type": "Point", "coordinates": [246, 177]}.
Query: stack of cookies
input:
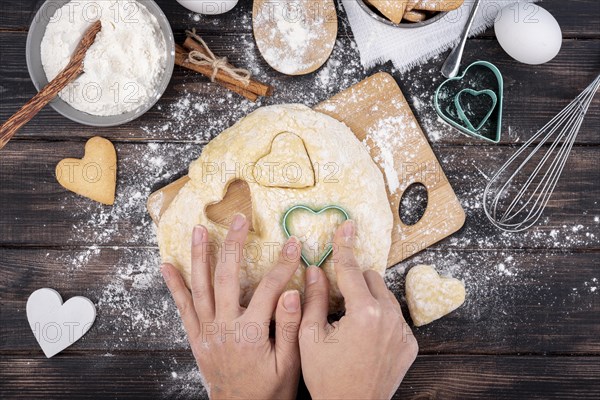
{"type": "Point", "coordinates": [413, 10]}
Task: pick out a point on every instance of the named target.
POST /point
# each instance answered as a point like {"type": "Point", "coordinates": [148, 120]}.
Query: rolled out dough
{"type": "Point", "coordinates": [344, 175]}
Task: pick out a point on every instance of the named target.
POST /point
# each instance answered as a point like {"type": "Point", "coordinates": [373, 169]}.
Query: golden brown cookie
{"type": "Point", "coordinates": [391, 9]}
{"type": "Point", "coordinates": [95, 175]}
{"type": "Point", "coordinates": [411, 4]}
{"type": "Point", "coordinates": [415, 16]}
{"type": "Point", "coordinates": [438, 5]}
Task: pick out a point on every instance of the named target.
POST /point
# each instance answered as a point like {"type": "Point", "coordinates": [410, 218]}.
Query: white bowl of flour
{"type": "Point", "coordinates": [126, 70]}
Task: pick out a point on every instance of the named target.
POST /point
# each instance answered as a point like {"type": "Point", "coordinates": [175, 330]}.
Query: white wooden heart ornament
{"type": "Point", "coordinates": [55, 325]}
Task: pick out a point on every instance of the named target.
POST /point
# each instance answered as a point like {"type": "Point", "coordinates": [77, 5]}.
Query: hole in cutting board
{"type": "Point", "coordinates": [237, 199]}
{"type": "Point", "coordinates": [413, 204]}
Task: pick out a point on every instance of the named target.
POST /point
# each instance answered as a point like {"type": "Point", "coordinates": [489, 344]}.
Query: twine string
{"type": "Point", "coordinates": [208, 58]}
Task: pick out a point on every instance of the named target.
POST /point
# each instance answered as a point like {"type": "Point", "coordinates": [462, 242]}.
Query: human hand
{"type": "Point", "coordinates": [365, 354]}
{"type": "Point", "coordinates": [230, 343]}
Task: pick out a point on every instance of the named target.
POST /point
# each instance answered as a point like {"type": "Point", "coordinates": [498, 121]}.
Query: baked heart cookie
{"type": "Point", "coordinates": [430, 296]}
{"type": "Point", "coordinates": [95, 175]}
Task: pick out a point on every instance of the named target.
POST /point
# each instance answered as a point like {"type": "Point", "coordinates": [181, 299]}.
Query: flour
{"type": "Point", "coordinates": [386, 137]}
{"type": "Point", "coordinates": [137, 310]}
{"type": "Point", "coordinates": [290, 41]}
{"type": "Point", "coordinates": [124, 65]}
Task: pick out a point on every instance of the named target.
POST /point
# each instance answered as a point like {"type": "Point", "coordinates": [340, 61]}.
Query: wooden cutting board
{"type": "Point", "coordinates": [378, 114]}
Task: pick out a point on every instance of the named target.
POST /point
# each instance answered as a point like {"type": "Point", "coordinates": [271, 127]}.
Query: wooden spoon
{"type": "Point", "coordinates": [296, 37]}
{"type": "Point", "coordinates": [71, 72]}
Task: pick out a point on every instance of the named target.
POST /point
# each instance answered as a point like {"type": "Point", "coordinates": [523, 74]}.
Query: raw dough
{"type": "Point", "coordinates": [287, 165]}
{"type": "Point", "coordinates": [430, 296]}
{"type": "Point", "coordinates": [315, 231]}
{"type": "Point", "coordinates": [345, 175]}
{"type": "Point", "coordinates": [95, 175]}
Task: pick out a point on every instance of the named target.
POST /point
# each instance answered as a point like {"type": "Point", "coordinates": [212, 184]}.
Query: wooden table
{"type": "Point", "coordinates": [531, 324]}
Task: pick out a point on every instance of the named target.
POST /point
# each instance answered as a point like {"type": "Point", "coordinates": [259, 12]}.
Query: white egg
{"type": "Point", "coordinates": [210, 7]}
{"type": "Point", "coordinates": [528, 33]}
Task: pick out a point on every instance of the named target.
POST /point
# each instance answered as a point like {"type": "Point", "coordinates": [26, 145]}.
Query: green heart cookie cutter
{"type": "Point", "coordinates": [498, 106]}
{"type": "Point", "coordinates": [461, 112]}
{"type": "Point", "coordinates": [286, 228]}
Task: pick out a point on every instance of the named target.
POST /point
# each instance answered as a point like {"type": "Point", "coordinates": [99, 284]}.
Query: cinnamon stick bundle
{"type": "Point", "coordinates": [254, 86]}
{"type": "Point", "coordinates": [249, 88]}
{"type": "Point", "coordinates": [181, 59]}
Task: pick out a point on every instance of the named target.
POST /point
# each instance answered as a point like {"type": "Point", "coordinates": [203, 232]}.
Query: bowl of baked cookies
{"type": "Point", "coordinates": [408, 13]}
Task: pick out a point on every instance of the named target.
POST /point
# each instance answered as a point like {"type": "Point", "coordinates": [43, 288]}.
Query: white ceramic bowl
{"type": "Point", "coordinates": [377, 16]}
{"type": "Point", "coordinates": [38, 75]}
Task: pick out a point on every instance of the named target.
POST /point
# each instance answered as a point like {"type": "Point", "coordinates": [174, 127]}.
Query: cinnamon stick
{"type": "Point", "coordinates": [73, 69]}
{"type": "Point", "coordinates": [254, 86]}
{"type": "Point", "coordinates": [181, 59]}
{"type": "Point", "coordinates": [240, 90]}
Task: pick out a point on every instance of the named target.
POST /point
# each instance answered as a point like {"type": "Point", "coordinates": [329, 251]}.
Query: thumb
{"type": "Point", "coordinates": [287, 323]}
{"type": "Point", "coordinates": [316, 300]}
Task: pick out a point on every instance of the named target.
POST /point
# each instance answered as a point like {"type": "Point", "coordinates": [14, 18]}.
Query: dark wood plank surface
{"type": "Point", "coordinates": [530, 327]}
{"type": "Point", "coordinates": [30, 195]}
{"type": "Point", "coordinates": [457, 377]}
{"type": "Point", "coordinates": [529, 103]}
{"type": "Point", "coordinates": [511, 293]}
{"type": "Point", "coordinates": [577, 18]}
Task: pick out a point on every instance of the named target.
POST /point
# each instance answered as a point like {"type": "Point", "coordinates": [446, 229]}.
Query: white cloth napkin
{"type": "Point", "coordinates": [406, 48]}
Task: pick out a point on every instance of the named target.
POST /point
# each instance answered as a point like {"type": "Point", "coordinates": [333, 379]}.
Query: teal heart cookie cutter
{"type": "Point", "coordinates": [286, 228]}
{"type": "Point", "coordinates": [461, 122]}
{"type": "Point", "coordinates": [461, 112]}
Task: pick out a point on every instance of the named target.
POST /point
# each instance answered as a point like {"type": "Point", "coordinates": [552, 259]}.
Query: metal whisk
{"type": "Point", "coordinates": [517, 203]}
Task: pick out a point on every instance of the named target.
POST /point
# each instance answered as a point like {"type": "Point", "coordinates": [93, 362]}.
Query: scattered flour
{"type": "Point", "coordinates": [289, 36]}
{"type": "Point", "coordinates": [385, 137]}
{"type": "Point", "coordinates": [135, 306]}
{"type": "Point", "coordinates": [495, 281]}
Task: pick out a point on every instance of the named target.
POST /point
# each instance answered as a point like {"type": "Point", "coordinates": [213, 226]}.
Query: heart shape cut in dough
{"type": "Point", "coordinates": [95, 175]}
{"type": "Point", "coordinates": [430, 296]}
{"type": "Point", "coordinates": [237, 199]}
{"type": "Point", "coordinates": [314, 229]}
{"type": "Point", "coordinates": [55, 325]}
{"type": "Point", "coordinates": [287, 165]}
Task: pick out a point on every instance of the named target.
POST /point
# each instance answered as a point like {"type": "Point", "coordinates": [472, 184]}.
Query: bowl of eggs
{"type": "Point", "coordinates": [408, 13]}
